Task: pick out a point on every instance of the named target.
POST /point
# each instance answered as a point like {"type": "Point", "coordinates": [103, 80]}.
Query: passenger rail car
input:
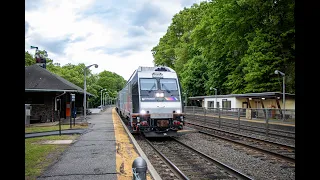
{"type": "Point", "coordinates": [152, 102]}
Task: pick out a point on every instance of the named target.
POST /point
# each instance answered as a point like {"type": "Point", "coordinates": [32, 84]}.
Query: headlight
{"type": "Point", "coordinates": [159, 94]}
{"type": "Point", "coordinates": [178, 111]}
{"type": "Point", "coordinates": [142, 112]}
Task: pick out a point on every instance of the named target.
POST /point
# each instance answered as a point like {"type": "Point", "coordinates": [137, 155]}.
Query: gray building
{"type": "Point", "coordinates": [49, 95]}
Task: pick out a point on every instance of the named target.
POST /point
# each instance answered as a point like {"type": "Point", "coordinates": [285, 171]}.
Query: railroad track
{"type": "Point", "coordinates": [281, 151]}
{"type": "Point", "coordinates": [164, 169]}
{"type": "Point", "coordinates": [259, 130]}
{"type": "Point", "coordinates": [188, 163]}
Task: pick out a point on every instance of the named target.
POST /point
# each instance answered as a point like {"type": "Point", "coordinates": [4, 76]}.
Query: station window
{"type": "Point", "coordinates": [226, 104]}
{"type": "Point", "coordinates": [210, 104]}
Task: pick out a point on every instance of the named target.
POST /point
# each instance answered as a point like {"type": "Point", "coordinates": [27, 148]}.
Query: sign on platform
{"type": "Point", "coordinates": [73, 97]}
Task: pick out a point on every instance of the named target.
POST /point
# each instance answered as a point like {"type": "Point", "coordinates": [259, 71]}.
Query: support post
{"type": "Point", "coordinates": [239, 119]}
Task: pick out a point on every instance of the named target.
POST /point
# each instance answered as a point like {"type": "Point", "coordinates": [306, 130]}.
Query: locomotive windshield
{"type": "Point", "coordinates": [168, 84]}
{"type": "Point", "coordinates": [148, 84]}
{"type": "Point", "coordinates": [158, 89]}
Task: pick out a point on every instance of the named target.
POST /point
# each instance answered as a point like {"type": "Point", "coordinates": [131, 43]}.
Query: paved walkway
{"type": "Point", "coordinates": [92, 156]}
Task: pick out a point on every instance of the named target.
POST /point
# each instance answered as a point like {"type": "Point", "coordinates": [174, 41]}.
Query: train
{"type": "Point", "coordinates": [152, 103]}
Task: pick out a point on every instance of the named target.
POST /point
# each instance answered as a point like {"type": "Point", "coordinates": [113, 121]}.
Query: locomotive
{"type": "Point", "coordinates": [151, 101]}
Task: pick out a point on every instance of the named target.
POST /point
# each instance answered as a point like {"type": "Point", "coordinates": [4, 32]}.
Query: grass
{"type": "Point", "coordinates": [53, 128]}
{"type": "Point", "coordinates": [39, 156]}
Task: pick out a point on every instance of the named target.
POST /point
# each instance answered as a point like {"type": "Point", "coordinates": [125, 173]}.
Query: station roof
{"type": "Point", "coordinates": [38, 79]}
{"type": "Point", "coordinates": [247, 95]}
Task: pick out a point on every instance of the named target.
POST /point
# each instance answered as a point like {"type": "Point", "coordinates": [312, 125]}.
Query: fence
{"type": "Point", "coordinates": [245, 113]}
{"type": "Point", "coordinates": [219, 116]}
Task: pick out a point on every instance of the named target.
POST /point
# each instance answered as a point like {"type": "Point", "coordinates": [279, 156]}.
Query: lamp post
{"type": "Point", "coordinates": [283, 94]}
{"type": "Point", "coordinates": [105, 98]}
{"type": "Point", "coordinates": [108, 97]}
{"type": "Point", "coordinates": [215, 94]}
{"type": "Point", "coordinates": [101, 97]}
{"type": "Point", "coordinates": [85, 89]}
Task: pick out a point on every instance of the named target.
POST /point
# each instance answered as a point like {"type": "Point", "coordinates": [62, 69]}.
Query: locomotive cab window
{"type": "Point", "coordinates": [148, 84]}
{"type": "Point", "coordinates": [168, 84]}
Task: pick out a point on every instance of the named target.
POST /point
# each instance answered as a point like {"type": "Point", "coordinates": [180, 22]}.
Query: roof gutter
{"type": "Point", "coordinates": [56, 90]}
{"type": "Point", "coordinates": [55, 100]}
{"type": "Point", "coordinates": [253, 95]}
{"type": "Point", "coordinates": [49, 90]}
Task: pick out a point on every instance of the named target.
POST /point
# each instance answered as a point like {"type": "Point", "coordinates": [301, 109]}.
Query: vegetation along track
{"type": "Point", "coordinates": [185, 162]}
{"type": "Point", "coordinates": [278, 150]}
{"type": "Point", "coordinates": [259, 129]}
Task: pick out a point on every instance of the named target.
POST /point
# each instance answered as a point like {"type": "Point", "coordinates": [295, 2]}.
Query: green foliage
{"type": "Point", "coordinates": [194, 76]}
{"type": "Point", "coordinates": [241, 43]}
{"type": "Point", "coordinates": [28, 59]}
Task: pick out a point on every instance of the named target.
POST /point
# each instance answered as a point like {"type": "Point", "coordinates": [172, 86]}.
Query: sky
{"type": "Point", "coordinates": [118, 35]}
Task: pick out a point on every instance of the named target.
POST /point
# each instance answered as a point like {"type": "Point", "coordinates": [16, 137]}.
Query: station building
{"type": "Point", "coordinates": [248, 100]}
{"type": "Point", "coordinates": [264, 100]}
{"type": "Point", "coordinates": [48, 96]}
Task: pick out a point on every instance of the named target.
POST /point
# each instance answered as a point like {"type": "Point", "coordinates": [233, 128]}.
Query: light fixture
{"type": "Point", "coordinates": [143, 112]}
{"type": "Point", "coordinates": [159, 94]}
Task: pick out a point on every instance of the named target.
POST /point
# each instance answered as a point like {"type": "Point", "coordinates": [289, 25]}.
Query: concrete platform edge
{"type": "Point", "coordinates": [151, 169]}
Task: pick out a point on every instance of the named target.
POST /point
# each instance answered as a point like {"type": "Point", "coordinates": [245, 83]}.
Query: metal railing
{"type": "Point", "coordinates": [245, 113]}
{"type": "Point", "coordinates": [222, 116]}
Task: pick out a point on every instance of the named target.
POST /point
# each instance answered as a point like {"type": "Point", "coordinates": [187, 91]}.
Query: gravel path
{"type": "Point", "coordinates": [252, 166]}
{"type": "Point", "coordinates": [262, 136]}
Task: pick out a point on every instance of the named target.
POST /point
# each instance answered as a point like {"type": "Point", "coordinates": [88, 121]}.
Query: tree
{"type": "Point", "coordinates": [28, 59]}
{"type": "Point", "coordinates": [241, 42]}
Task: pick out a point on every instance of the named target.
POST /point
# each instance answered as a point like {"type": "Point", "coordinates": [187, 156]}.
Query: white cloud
{"type": "Point", "coordinates": [99, 31]}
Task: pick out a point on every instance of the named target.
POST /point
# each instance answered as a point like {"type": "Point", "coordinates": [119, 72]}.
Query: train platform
{"type": "Point", "coordinates": [104, 151]}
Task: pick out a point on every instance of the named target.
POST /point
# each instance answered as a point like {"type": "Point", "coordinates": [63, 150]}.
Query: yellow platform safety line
{"type": "Point", "coordinates": [257, 121]}
{"type": "Point", "coordinates": [126, 152]}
